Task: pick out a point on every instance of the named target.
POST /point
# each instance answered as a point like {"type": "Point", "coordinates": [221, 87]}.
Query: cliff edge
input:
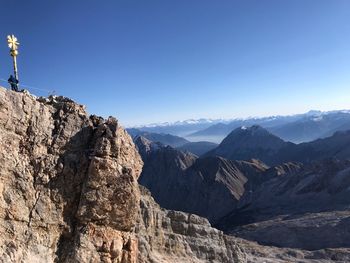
{"type": "Point", "coordinates": [68, 183]}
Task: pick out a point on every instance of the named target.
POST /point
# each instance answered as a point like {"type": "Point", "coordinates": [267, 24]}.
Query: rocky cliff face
{"type": "Point", "coordinates": [174, 236]}
{"type": "Point", "coordinates": [68, 183]}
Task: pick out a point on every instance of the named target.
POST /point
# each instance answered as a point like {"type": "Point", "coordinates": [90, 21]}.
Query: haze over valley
{"type": "Point", "coordinates": [294, 128]}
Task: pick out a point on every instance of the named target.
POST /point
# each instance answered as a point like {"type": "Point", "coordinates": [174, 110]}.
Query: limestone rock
{"type": "Point", "coordinates": [172, 236]}
{"type": "Point", "coordinates": [68, 183]}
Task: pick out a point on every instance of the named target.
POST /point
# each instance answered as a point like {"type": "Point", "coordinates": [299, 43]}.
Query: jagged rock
{"type": "Point", "coordinates": [173, 236]}
{"type": "Point", "coordinates": [145, 146]}
{"type": "Point", "coordinates": [68, 183]}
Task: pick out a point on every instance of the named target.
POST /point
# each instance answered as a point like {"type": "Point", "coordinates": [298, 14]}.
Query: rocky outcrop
{"type": "Point", "coordinates": [173, 236]}
{"type": "Point", "coordinates": [68, 183]}
{"type": "Point", "coordinates": [145, 147]}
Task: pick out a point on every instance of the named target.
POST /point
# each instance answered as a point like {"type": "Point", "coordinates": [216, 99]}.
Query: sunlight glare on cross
{"type": "Point", "coordinates": [12, 42]}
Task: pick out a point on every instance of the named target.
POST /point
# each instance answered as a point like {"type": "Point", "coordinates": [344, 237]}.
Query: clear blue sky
{"type": "Point", "coordinates": [151, 61]}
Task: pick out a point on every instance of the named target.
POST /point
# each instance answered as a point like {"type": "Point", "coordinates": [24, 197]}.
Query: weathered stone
{"type": "Point", "coordinates": [173, 236]}
{"type": "Point", "coordinates": [68, 183]}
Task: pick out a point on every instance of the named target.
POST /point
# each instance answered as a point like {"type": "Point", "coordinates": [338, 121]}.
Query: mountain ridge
{"type": "Point", "coordinates": [198, 148]}
{"type": "Point", "coordinates": [246, 143]}
{"type": "Point", "coordinates": [295, 128]}
{"type": "Point", "coordinates": [164, 138]}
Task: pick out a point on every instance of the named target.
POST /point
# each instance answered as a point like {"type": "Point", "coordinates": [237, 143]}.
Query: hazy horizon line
{"type": "Point", "coordinates": [154, 124]}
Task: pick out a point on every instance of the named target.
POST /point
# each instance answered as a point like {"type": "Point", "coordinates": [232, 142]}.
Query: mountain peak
{"type": "Point", "coordinates": [253, 129]}
{"type": "Point", "coordinates": [145, 146]}
{"type": "Point", "coordinates": [246, 143]}
{"type": "Point", "coordinates": [249, 133]}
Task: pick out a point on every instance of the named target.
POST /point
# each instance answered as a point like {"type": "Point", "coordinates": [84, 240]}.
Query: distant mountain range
{"type": "Point", "coordinates": [313, 126]}
{"type": "Point", "coordinates": [294, 128]}
{"type": "Point", "coordinates": [197, 148]}
{"type": "Point", "coordinates": [219, 131]}
{"type": "Point", "coordinates": [181, 128]}
{"type": "Point", "coordinates": [300, 196]}
{"type": "Point", "coordinates": [258, 143]}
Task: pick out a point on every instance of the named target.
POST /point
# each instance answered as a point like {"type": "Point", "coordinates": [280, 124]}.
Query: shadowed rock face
{"type": "Point", "coordinates": [209, 187]}
{"type": "Point", "coordinates": [306, 209]}
{"type": "Point", "coordinates": [68, 184]}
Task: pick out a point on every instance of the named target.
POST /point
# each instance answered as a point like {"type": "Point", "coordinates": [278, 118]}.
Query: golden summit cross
{"type": "Point", "coordinates": [12, 42]}
{"type": "Point", "coordinates": [13, 45]}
